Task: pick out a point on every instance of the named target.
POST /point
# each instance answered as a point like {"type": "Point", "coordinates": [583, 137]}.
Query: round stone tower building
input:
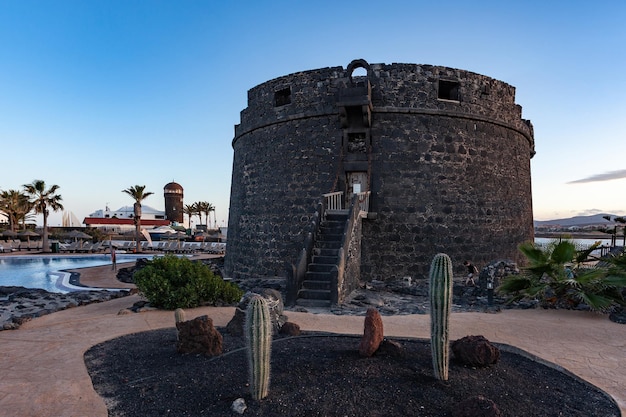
{"type": "Point", "coordinates": [441, 155]}
{"type": "Point", "coordinates": [173, 193]}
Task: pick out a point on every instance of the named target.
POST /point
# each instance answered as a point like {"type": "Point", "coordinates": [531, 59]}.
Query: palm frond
{"type": "Point", "coordinates": [563, 253]}
{"type": "Point", "coordinates": [585, 254]}
{"type": "Point", "coordinates": [533, 253]}
{"type": "Point", "coordinates": [515, 283]}
{"type": "Point", "coordinates": [615, 281]}
{"type": "Point", "coordinates": [596, 302]}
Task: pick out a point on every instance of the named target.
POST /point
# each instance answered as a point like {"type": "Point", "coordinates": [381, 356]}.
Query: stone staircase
{"type": "Point", "coordinates": [316, 288]}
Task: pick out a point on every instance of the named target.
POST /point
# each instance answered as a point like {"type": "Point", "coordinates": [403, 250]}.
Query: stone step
{"type": "Point", "coordinates": [318, 267]}
{"type": "Point", "coordinates": [316, 285]}
{"type": "Point", "coordinates": [337, 215]}
{"type": "Point", "coordinates": [331, 230]}
{"type": "Point", "coordinates": [330, 237]}
{"type": "Point", "coordinates": [304, 302]}
{"type": "Point", "coordinates": [317, 276]}
{"type": "Point", "coordinates": [333, 224]}
{"type": "Point", "coordinates": [327, 252]}
{"type": "Point", "coordinates": [328, 244]}
{"type": "Point", "coordinates": [310, 294]}
{"type": "Point", "coordinates": [324, 259]}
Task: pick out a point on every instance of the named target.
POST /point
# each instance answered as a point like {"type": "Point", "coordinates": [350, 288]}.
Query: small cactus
{"type": "Point", "coordinates": [179, 315]}
{"type": "Point", "coordinates": [258, 331]}
{"type": "Point", "coordinates": [440, 290]}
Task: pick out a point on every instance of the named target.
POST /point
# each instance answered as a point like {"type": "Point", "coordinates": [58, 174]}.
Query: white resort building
{"type": "Point", "coordinates": [122, 219]}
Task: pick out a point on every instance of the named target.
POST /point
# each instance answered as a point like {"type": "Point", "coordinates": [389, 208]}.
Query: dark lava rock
{"type": "Point", "coordinates": [290, 329]}
{"type": "Point", "coordinates": [475, 351]}
{"type": "Point", "coordinates": [199, 336]}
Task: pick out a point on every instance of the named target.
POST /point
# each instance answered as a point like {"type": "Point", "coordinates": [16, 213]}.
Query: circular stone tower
{"type": "Point", "coordinates": [173, 193]}
{"type": "Point", "coordinates": [444, 153]}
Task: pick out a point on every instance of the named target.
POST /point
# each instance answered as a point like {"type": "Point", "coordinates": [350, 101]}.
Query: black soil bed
{"type": "Point", "coordinates": [323, 375]}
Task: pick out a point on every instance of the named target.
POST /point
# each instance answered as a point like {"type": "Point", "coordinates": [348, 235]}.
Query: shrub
{"type": "Point", "coordinates": [171, 282]}
{"type": "Point", "coordinates": [559, 274]}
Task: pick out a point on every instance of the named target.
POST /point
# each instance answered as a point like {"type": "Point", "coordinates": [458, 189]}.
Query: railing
{"type": "Point", "coordinates": [363, 201]}
{"type": "Point", "coordinates": [334, 201]}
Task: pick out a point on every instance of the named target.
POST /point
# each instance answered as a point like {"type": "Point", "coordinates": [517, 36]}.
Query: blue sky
{"type": "Point", "coordinates": [98, 96]}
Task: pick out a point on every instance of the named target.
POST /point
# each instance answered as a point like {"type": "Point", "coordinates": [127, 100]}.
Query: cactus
{"type": "Point", "coordinates": [179, 315]}
{"type": "Point", "coordinates": [440, 304]}
{"type": "Point", "coordinates": [258, 331]}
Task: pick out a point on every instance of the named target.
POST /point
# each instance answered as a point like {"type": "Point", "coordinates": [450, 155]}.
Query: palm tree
{"type": "Point", "coordinates": [42, 200]}
{"type": "Point", "coordinates": [15, 205]}
{"type": "Point", "coordinates": [203, 209]}
{"type": "Point", "coordinates": [191, 210]}
{"type": "Point", "coordinates": [138, 193]}
{"type": "Point", "coordinates": [212, 209]}
{"type": "Point", "coordinates": [206, 208]}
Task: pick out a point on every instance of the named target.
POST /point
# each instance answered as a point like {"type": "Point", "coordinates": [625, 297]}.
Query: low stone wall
{"type": "Point", "coordinates": [19, 305]}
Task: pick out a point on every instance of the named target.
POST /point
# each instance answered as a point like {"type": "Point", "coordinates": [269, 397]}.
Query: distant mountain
{"type": "Point", "coordinates": [577, 221]}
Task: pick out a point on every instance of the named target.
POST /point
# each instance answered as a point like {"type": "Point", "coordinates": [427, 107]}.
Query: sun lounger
{"type": "Point", "coordinates": [97, 247]}
{"type": "Point", "coordinates": [169, 247]}
{"type": "Point", "coordinates": [85, 248]}
{"type": "Point", "coordinates": [72, 247]}
{"type": "Point", "coordinates": [6, 247]}
{"type": "Point", "coordinates": [187, 248]}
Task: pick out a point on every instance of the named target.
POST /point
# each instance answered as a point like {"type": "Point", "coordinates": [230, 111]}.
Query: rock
{"type": "Point", "coordinates": [199, 336]}
{"type": "Point", "coordinates": [390, 348]}
{"type": "Point", "coordinates": [475, 351]}
{"type": "Point", "coordinates": [139, 305]}
{"type": "Point", "coordinates": [275, 304]}
{"type": "Point", "coordinates": [374, 300]}
{"type": "Point", "coordinates": [494, 273]}
{"type": "Point", "coordinates": [127, 274]}
{"type": "Point", "coordinates": [235, 325]}
{"type": "Point", "coordinates": [290, 329]}
{"type": "Point", "coordinates": [372, 333]}
{"type": "Point", "coordinates": [478, 406]}
{"type": "Point", "coordinates": [239, 406]}
{"type": "Point", "coordinates": [618, 316]}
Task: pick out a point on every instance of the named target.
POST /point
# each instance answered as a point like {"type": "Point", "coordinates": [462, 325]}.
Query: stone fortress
{"type": "Point", "coordinates": [433, 159]}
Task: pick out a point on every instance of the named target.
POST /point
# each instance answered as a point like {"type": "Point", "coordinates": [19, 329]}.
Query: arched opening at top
{"type": "Point", "coordinates": [359, 72]}
{"type": "Point", "coordinates": [358, 68]}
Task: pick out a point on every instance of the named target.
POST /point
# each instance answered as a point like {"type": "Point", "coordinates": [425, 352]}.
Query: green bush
{"type": "Point", "coordinates": [561, 275]}
{"type": "Point", "coordinates": [171, 282]}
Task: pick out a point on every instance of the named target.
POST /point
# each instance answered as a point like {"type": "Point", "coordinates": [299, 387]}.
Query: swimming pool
{"type": "Point", "coordinates": [46, 272]}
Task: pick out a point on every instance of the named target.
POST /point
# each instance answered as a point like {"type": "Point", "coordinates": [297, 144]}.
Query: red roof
{"type": "Point", "coordinates": [122, 222]}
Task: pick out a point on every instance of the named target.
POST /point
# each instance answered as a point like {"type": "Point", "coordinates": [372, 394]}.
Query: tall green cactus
{"type": "Point", "coordinates": [258, 331]}
{"type": "Point", "coordinates": [440, 306]}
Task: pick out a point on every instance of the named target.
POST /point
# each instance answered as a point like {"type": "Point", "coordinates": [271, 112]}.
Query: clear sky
{"type": "Point", "coordinates": [99, 96]}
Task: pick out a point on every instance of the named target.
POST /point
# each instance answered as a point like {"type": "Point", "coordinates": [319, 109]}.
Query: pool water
{"type": "Point", "coordinates": [46, 271]}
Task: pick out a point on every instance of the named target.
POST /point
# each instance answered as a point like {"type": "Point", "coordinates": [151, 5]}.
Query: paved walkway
{"type": "Point", "coordinates": [43, 373]}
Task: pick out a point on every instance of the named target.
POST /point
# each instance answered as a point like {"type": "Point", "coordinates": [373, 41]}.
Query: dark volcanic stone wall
{"type": "Point", "coordinates": [446, 175]}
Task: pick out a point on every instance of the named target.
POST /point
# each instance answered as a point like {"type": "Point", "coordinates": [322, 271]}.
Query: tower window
{"type": "Point", "coordinates": [448, 90]}
{"type": "Point", "coordinates": [282, 97]}
{"type": "Point", "coordinates": [357, 142]}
